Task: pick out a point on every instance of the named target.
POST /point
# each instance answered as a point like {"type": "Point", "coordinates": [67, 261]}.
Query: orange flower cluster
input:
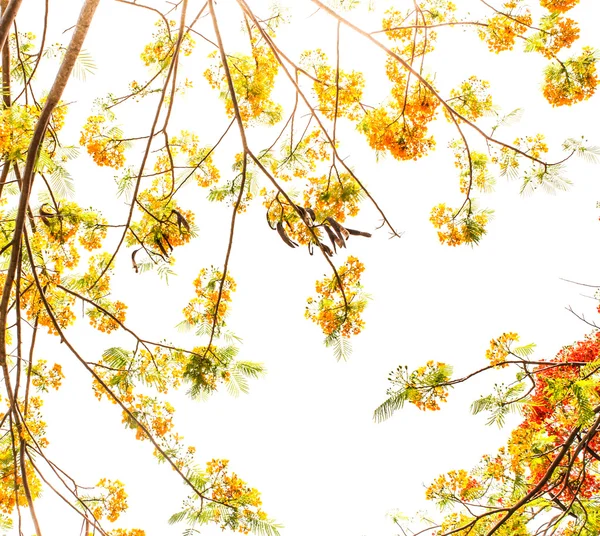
{"type": "Point", "coordinates": [104, 145]}
{"type": "Point", "coordinates": [11, 481]}
{"type": "Point", "coordinates": [503, 28]}
{"type": "Point", "coordinates": [155, 415]}
{"type": "Point", "coordinates": [113, 501]}
{"type": "Point", "coordinates": [104, 323]}
{"type": "Point", "coordinates": [400, 128]}
{"type": "Point", "coordinates": [558, 34]}
{"type": "Point", "coordinates": [334, 314]}
{"type": "Point", "coordinates": [339, 92]}
{"type": "Point", "coordinates": [61, 303]}
{"type": "Point", "coordinates": [203, 308]}
{"type": "Point", "coordinates": [253, 80]}
{"type": "Point", "coordinates": [500, 348]}
{"type": "Point", "coordinates": [559, 6]}
{"type": "Point", "coordinates": [42, 378]}
{"type": "Point", "coordinates": [572, 80]}
{"type": "Point", "coordinates": [455, 484]}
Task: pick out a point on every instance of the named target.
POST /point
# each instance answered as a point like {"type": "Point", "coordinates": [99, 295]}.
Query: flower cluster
{"type": "Point", "coordinates": [104, 322]}
{"type": "Point", "coordinates": [559, 6]}
{"type": "Point", "coordinates": [104, 144]}
{"type": "Point", "coordinates": [213, 296]}
{"type": "Point", "coordinates": [199, 159]}
{"type": "Point", "coordinates": [338, 93]}
{"type": "Point", "coordinates": [572, 80]}
{"type": "Point", "coordinates": [401, 127]}
{"type": "Point", "coordinates": [113, 501]}
{"type": "Point", "coordinates": [340, 302]}
{"type": "Point", "coordinates": [455, 484]}
{"type": "Point", "coordinates": [336, 196]}
{"type": "Point", "coordinates": [253, 80]}
{"type": "Point", "coordinates": [161, 50]}
{"type": "Point", "coordinates": [228, 489]}
{"type": "Point", "coordinates": [471, 99]}
{"type": "Point", "coordinates": [500, 348]}
{"type": "Point", "coordinates": [164, 225]}
{"type": "Point", "coordinates": [473, 172]}
{"type": "Point", "coordinates": [42, 378]}
{"type": "Point", "coordinates": [503, 28]}
{"type": "Point", "coordinates": [557, 33]}
{"type": "Point", "coordinates": [459, 227]}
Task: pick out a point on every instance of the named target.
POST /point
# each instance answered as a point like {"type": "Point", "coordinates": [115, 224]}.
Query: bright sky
{"type": "Point", "coordinates": [304, 436]}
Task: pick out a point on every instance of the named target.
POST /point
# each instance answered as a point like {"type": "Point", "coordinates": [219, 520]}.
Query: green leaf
{"type": "Point", "coordinates": [524, 351]}
{"type": "Point", "coordinates": [84, 65]}
{"type": "Point", "coordinates": [392, 404]}
{"type": "Point", "coordinates": [341, 345]}
{"type": "Point", "coordinates": [117, 357]}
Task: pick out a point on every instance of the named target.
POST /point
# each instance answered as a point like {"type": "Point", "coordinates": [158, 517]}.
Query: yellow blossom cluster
{"type": "Point", "coordinates": [253, 80]}
{"type": "Point", "coordinates": [207, 367]}
{"type": "Point", "coordinates": [198, 161]}
{"type": "Point", "coordinates": [161, 50]}
{"type": "Point", "coordinates": [456, 228]}
{"type": "Point", "coordinates": [424, 387]}
{"type": "Point", "coordinates": [471, 99]}
{"type": "Point", "coordinates": [337, 310]}
{"type": "Point", "coordinates": [500, 348]}
{"type": "Point", "coordinates": [474, 175]}
{"type": "Point", "coordinates": [11, 480]}
{"type": "Point", "coordinates": [16, 127]}
{"type": "Point", "coordinates": [126, 532]}
{"type": "Point", "coordinates": [160, 367]}
{"type": "Point", "coordinates": [455, 484]}
{"type": "Point", "coordinates": [519, 447]}
{"type": "Point", "coordinates": [503, 28]}
{"type": "Point", "coordinates": [337, 196]}
{"type": "Point", "coordinates": [63, 222]}
{"type": "Point", "coordinates": [300, 158]}
{"type": "Point", "coordinates": [42, 377]}
{"type": "Point", "coordinates": [338, 93]}
{"type": "Point", "coordinates": [411, 31]}
{"type": "Point", "coordinates": [113, 501]}
{"type": "Point", "coordinates": [155, 415]}
{"type": "Point", "coordinates": [163, 225]}
{"type": "Point", "coordinates": [203, 309]}
{"type": "Point", "coordinates": [105, 145]}
{"type": "Point", "coordinates": [105, 323]}
{"type": "Point", "coordinates": [231, 490]}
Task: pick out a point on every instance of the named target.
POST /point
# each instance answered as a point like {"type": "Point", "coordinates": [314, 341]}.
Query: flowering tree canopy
{"type": "Point", "coordinates": [284, 121]}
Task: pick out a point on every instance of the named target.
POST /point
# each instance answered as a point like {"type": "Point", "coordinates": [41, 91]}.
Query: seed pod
{"type": "Point", "coordinates": [358, 233]}
{"type": "Point", "coordinates": [284, 236]}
